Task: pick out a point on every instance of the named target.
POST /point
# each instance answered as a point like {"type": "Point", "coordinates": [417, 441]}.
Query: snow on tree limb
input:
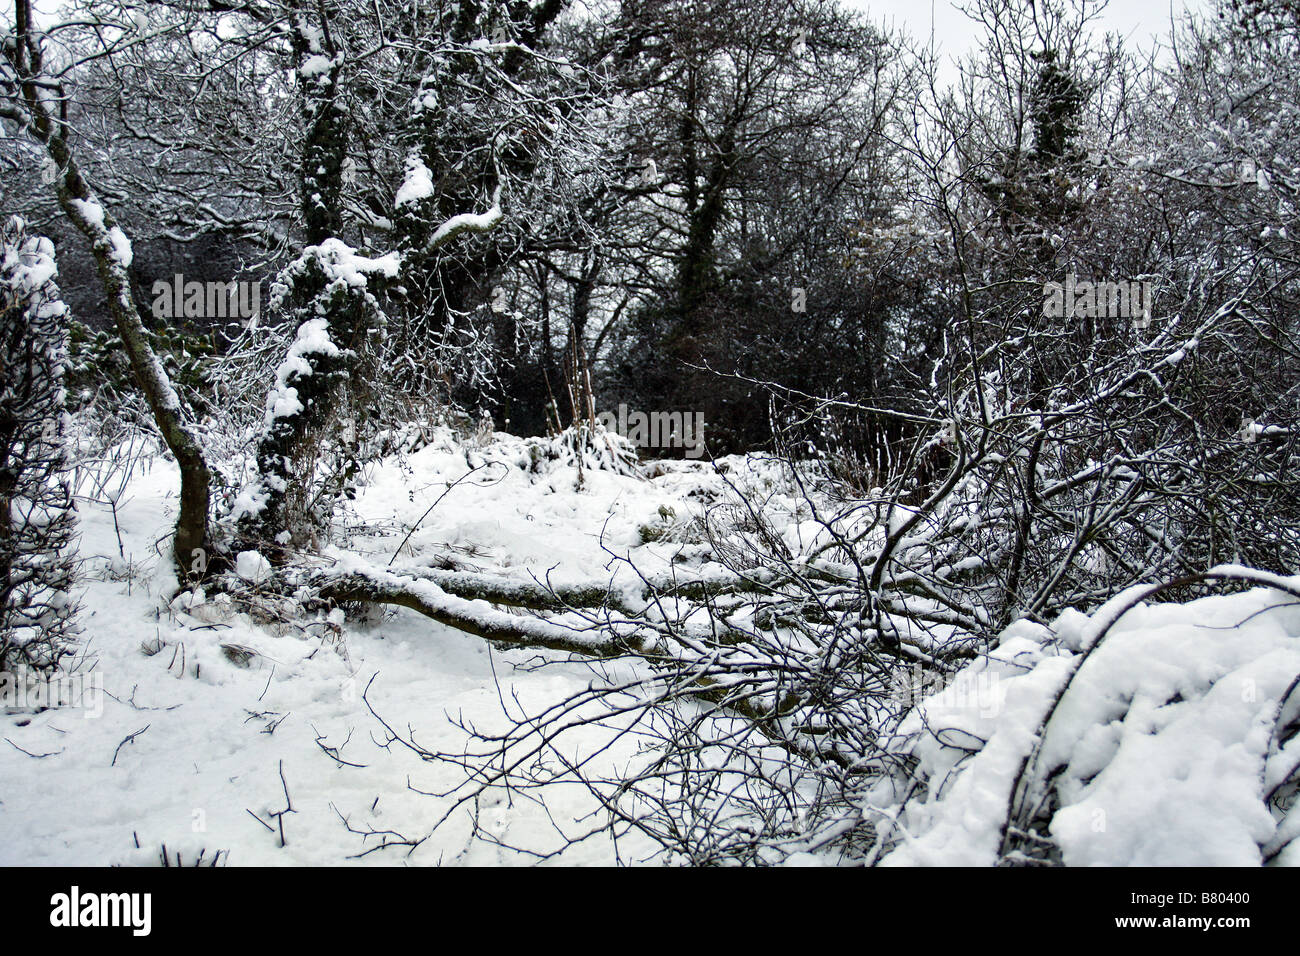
{"type": "Point", "coordinates": [467, 222]}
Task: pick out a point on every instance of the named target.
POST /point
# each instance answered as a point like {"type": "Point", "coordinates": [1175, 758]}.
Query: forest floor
{"type": "Point", "coordinates": [216, 733]}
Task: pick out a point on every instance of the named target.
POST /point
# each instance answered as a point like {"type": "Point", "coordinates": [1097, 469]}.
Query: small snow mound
{"type": "Point", "coordinates": [252, 567]}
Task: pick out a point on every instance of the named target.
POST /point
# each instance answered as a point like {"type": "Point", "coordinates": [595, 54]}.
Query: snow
{"type": "Point", "coordinates": [469, 222]}
{"type": "Point", "coordinates": [311, 34]}
{"type": "Point", "coordinates": [1160, 744]}
{"type": "Point", "coordinates": [122, 251]}
{"type": "Point", "coordinates": [312, 338]}
{"type": "Point", "coordinates": [219, 732]}
{"type": "Point", "coordinates": [997, 701]}
{"type": "Point", "coordinates": [343, 263]}
{"type": "Point", "coordinates": [36, 265]}
{"type": "Point", "coordinates": [417, 185]}
{"type": "Point", "coordinates": [94, 215]}
{"type": "Point", "coordinates": [1161, 748]}
{"type": "Point", "coordinates": [92, 212]}
{"type": "Point", "coordinates": [283, 403]}
{"type": "Point", "coordinates": [317, 64]}
{"type": "Point", "coordinates": [252, 567]}
{"type": "Point", "coordinates": [248, 502]}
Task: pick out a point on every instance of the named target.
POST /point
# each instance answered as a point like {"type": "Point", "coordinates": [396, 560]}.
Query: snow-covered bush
{"type": "Point", "coordinates": [1144, 735]}
{"type": "Point", "coordinates": [37, 513]}
{"type": "Point", "coordinates": [586, 447]}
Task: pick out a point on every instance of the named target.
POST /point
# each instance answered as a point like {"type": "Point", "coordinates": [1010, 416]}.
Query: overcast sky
{"type": "Point", "coordinates": [1141, 21]}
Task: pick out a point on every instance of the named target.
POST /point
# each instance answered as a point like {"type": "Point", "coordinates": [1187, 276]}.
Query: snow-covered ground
{"type": "Point", "coordinates": [220, 730]}
{"type": "Point", "coordinates": [207, 718]}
